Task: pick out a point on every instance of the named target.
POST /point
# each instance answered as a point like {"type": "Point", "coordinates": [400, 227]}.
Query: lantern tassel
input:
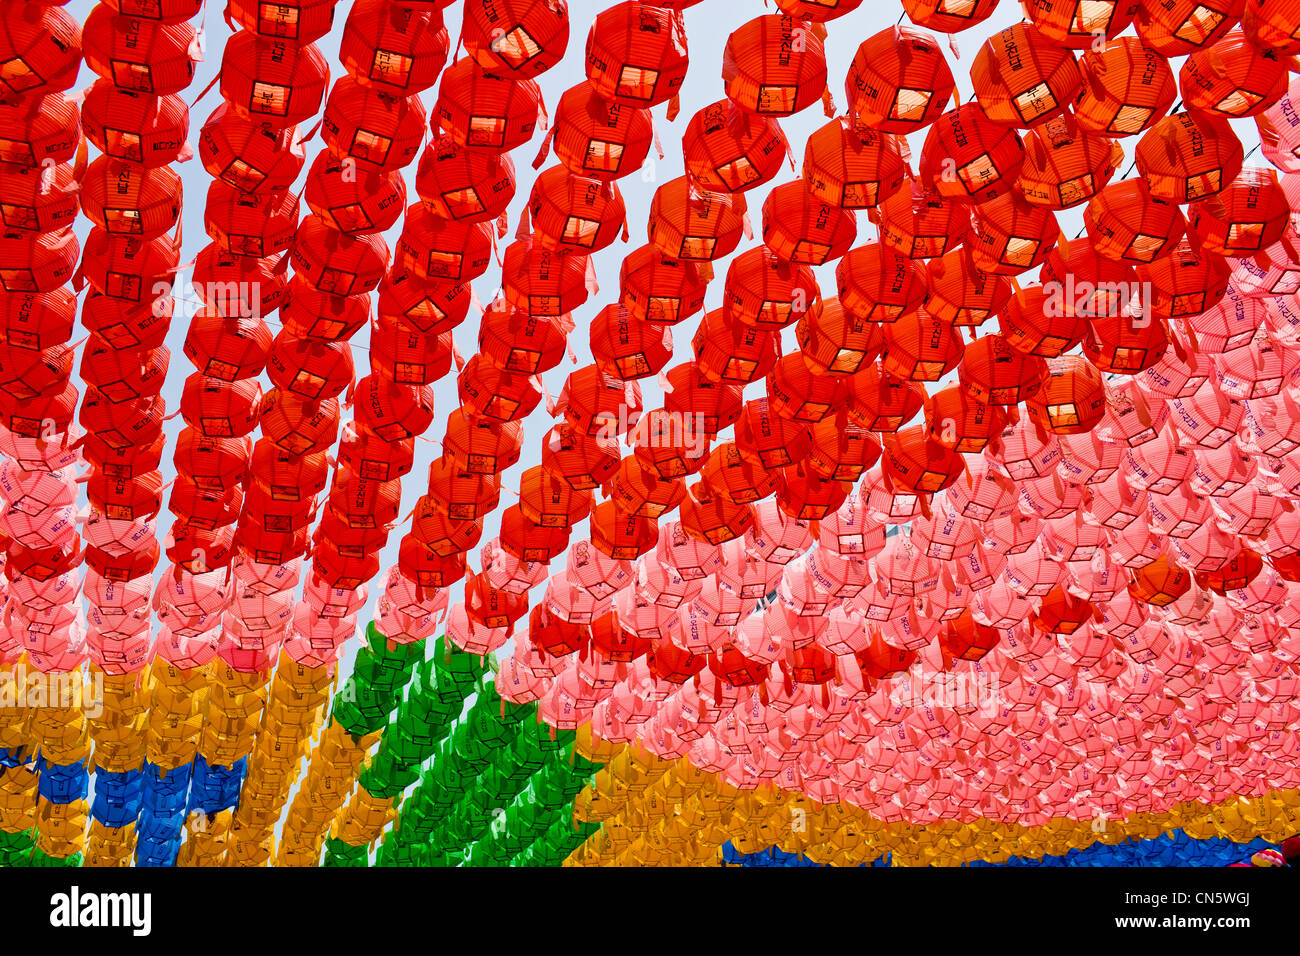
{"type": "Point", "coordinates": [545, 150]}
{"type": "Point", "coordinates": [674, 107]}
{"type": "Point", "coordinates": [206, 90]}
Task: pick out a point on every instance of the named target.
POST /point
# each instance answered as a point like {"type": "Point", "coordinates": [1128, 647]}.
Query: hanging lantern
{"type": "Point", "coordinates": [227, 347]}
{"type": "Point", "coordinates": [238, 285]}
{"type": "Point", "coordinates": [422, 304]}
{"type": "Point", "coordinates": [123, 375]}
{"type": "Point", "coordinates": [1065, 166]}
{"type": "Point", "coordinates": [600, 138]}
{"type": "Point", "coordinates": [714, 405]}
{"type": "Point", "coordinates": [765, 290]}
{"type": "Point", "coordinates": [961, 293]}
{"type": "Point", "coordinates": [337, 263]}
{"type": "Point", "coordinates": [516, 38]}
{"type": "Point", "coordinates": [994, 372]}
{"type": "Point", "coordinates": [37, 128]}
{"type": "Point", "coordinates": [627, 348]}
{"type": "Point", "coordinates": [487, 111]}
{"type": "Point", "coordinates": [1180, 27]}
{"type": "Point", "coordinates": [878, 284]}
{"type": "Point", "coordinates": [775, 440]}
{"type": "Point", "coordinates": [1247, 217]}
{"type": "Point", "coordinates": [494, 393]}
{"type": "Point", "coordinates": [575, 213]}
{"type": "Point", "coordinates": [310, 368]}
{"type": "Point", "coordinates": [898, 82]}
{"type": "Point", "coordinates": [128, 199]}
{"type": "Point", "coordinates": [462, 495]}
{"type": "Point", "coordinates": [251, 225]}
{"type": "Point", "coordinates": [1010, 236]}
{"type": "Point", "coordinates": [37, 261]}
{"type": "Point", "coordinates": [727, 350]}
{"type": "Point", "coordinates": [944, 17]}
{"type": "Point", "coordinates": [1185, 282]}
{"type": "Point", "coordinates": [354, 202]}
{"type": "Point", "coordinates": [41, 48]}
{"type": "Point", "coordinates": [1073, 398]}
{"type": "Point", "coordinates": [300, 21]}
{"type": "Point", "coordinates": [298, 425]}
{"type": "Point", "coordinates": [921, 348]}
{"type": "Point", "coordinates": [481, 445]}
{"type": "Point", "coordinates": [836, 342]}
{"type": "Point", "coordinates": [804, 495]}
{"type": "Point", "coordinates": [37, 320]}
{"type": "Point", "coordinates": [654, 288]}
{"type": "Point", "coordinates": [1270, 25]}
{"type": "Point", "coordinates": [852, 168]}
{"type": "Point", "coordinates": [464, 184]}
{"type": "Point", "coordinates": [1022, 78]}
{"type": "Point", "coordinates": [691, 224]}
{"type": "Point", "coordinates": [731, 472]}
{"type": "Point", "coordinates": [583, 461]}
{"type": "Point", "coordinates": [1188, 156]}
{"type": "Point", "coordinates": [621, 536]}
{"type": "Point", "coordinates": [774, 65]}
{"type": "Point", "coordinates": [38, 200]}
{"type": "Point", "coordinates": [369, 455]}
{"type": "Point", "coordinates": [1127, 223]}
{"type": "Point", "coordinates": [1232, 78]}
{"type": "Point", "coordinates": [519, 342]}
{"type": "Point", "coordinates": [1126, 343]}
{"type": "Point", "coordinates": [141, 55]}
{"type": "Point", "coordinates": [1127, 88]}
{"type": "Point", "coordinates": [393, 48]}
{"type": "Point", "coordinates": [1159, 583]}
{"type": "Point", "coordinates": [802, 228]}
{"type": "Point", "coordinates": [599, 404]}
{"type": "Point", "coordinates": [541, 281]}
{"type": "Point", "coordinates": [136, 127]}
{"type": "Point", "coordinates": [798, 393]}
{"type": "Point", "coordinates": [392, 411]}
{"type": "Point", "coordinates": [213, 464]}
{"type": "Point", "coordinates": [1079, 24]}
{"type": "Point", "coordinates": [818, 11]}
{"type": "Point", "coordinates": [1039, 324]}
{"type": "Point", "coordinates": [916, 464]}
{"type": "Point", "coordinates": [639, 491]}
{"type": "Point", "coordinates": [375, 130]}
{"type": "Point", "coordinates": [272, 81]}
{"type": "Point", "coordinates": [636, 54]}
{"type": "Point", "coordinates": [668, 445]}
{"type": "Point", "coordinates": [841, 451]}
{"type": "Point", "coordinates": [248, 154]}
{"type": "Point", "coordinates": [1080, 281]}
{"type": "Point", "coordinates": [220, 409]}
{"type": "Point", "coordinates": [958, 420]}
{"type": "Point", "coordinates": [728, 149]}
{"type": "Point", "coordinates": [881, 402]}
{"type": "Point", "coordinates": [921, 224]}
{"type": "Point", "coordinates": [969, 158]}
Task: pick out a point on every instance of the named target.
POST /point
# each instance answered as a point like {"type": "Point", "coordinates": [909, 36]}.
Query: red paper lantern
{"type": "Point", "coordinates": [774, 65]}
{"type": "Point", "coordinates": [519, 38]}
{"type": "Point", "coordinates": [899, 81]}
{"type": "Point", "coordinates": [393, 48]}
{"type": "Point", "coordinates": [636, 54]}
